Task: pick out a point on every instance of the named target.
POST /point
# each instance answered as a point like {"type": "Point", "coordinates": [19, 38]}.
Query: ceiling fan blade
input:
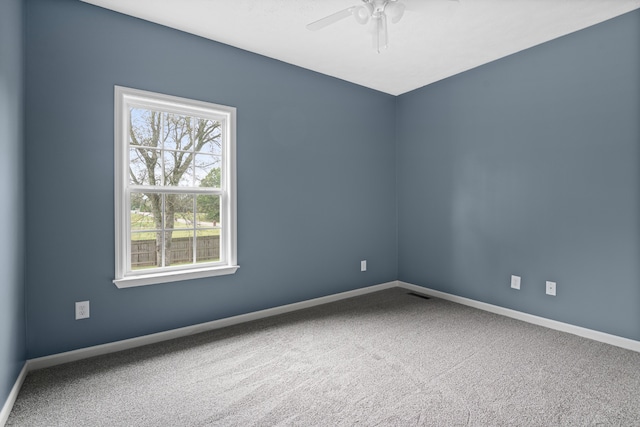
{"type": "Point", "coordinates": [331, 19]}
{"type": "Point", "coordinates": [380, 35]}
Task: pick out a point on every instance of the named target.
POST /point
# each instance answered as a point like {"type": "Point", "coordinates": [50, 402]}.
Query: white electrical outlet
{"type": "Point", "coordinates": [82, 310]}
{"type": "Point", "coordinates": [363, 265]}
{"type": "Point", "coordinates": [515, 282]}
{"type": "Point", "coordinates": [551, 288]}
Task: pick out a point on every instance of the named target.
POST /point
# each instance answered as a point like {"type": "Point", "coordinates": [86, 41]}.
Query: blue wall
{"type": "Point", "coordinates": [12, 315]}
{"type": "Point", "coordinates": [530, 166]}
{"type": "Point", "coordinates": [315, 177]}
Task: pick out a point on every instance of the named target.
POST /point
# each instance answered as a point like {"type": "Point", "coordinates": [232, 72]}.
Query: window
{"type": "Point", "coordinates": [175, 189]}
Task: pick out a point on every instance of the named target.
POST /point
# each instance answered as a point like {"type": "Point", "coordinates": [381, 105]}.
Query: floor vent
{"type": "Point", "coordinates": [413, 294]}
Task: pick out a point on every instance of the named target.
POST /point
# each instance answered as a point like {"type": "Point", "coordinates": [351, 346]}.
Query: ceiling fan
{"type": "Point", "coordinates": [375, 11]}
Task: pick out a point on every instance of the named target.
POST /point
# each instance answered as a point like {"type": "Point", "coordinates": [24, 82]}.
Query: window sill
{"type": "Point", "coordinates": [173, 276]}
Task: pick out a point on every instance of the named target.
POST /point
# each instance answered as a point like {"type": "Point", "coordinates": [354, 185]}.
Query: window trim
{"type": "Point", "coordinates": [124, 96]}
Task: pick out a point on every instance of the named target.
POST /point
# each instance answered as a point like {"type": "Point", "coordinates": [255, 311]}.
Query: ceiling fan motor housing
{"type": "Point", "coordinates": [376, 9]}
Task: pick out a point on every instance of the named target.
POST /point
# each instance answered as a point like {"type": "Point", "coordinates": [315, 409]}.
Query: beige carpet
{"type": "Point", "coordinates": [387, 358]}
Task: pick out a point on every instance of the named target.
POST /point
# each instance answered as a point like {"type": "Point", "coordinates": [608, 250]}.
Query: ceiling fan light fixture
{"type": "Point", "coordinates": [395, 11]}
{"type": "Point", "coordinates": [362, 14]}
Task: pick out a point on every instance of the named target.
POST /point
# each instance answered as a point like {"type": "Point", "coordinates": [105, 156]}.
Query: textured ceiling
{"type": "Point", "coordinates": [434, 40]}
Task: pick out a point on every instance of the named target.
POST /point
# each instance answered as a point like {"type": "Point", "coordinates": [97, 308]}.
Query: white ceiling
{"type": "Point", "coordinates": [435, 39]}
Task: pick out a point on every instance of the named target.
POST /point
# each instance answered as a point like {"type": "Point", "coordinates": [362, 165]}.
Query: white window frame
{"type": "Point", "coordinates": [124, 276]}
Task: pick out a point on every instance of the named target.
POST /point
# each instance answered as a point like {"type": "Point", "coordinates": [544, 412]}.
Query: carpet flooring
{"type": "Point", "coordinates": [387, 358]}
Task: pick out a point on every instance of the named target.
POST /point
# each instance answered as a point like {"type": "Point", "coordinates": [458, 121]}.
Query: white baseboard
{"type": "Point", "coordinates": [71, 356]}
{"type": "Point", "coordinates": [13, 395]}
{"type": "Point", "coordinates": [98, 350]}
{"type": "Point", "coordinates": [529, 318]}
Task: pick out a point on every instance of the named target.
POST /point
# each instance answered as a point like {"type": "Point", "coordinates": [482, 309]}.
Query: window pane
{"type": "Point", "coordinates": [145, 127]}
{"type": "Point", "coordinates": [145, 208]}
{"type": "Point", "coordinates": [179, 247]}
{"type": "Point", "coordinates": [208, 211]}
{"type": "Point", "coordinates": [178, 168]}
{"type": "Point", "coordinates": [208, 246]}
{"type": "Point", "coordinates": [208, 136]}
{"type": "Point", "coordinates": [144, 250]}
{"type": "Point", "coordinates": [208, 228]}
{"type": "Point", "coordinates": [211, 179]}
{"type": "Point", "coordinates": [145, 166]}
{"type": "Point", "coordinates": [204, 171]}
{"type": "Point", "coordinates": [178, 132]}
{"type": "Point", "coordinates": [179, 211]}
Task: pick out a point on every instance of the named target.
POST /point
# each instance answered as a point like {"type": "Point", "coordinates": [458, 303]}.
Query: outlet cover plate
{"type": "Point", "coordinates": [363, 265]}
{"type": "Point", "coordinates": [515, 282]}
{"type": "Point", "coordinates": [551, 288]}
{"type": "Point", "coordinates": [82, 310]}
